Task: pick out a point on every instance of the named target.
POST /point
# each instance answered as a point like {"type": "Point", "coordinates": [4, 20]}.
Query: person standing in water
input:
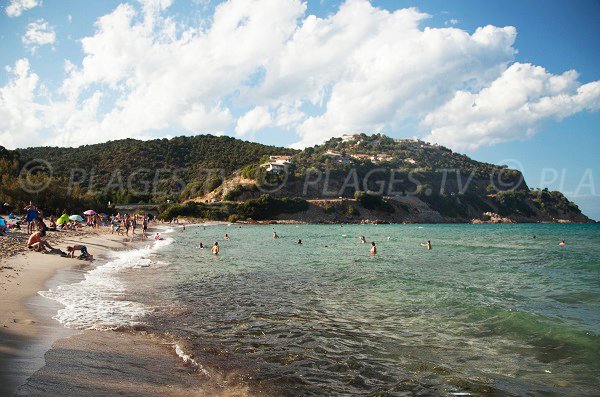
{"type": "Point", "coordinates": [427, 245]}
{"type": "Point", "coordinates": [562, 243]}
{"type": "Point", "coordinates": [275, 234]}
{"type": "Point", "coordinates": [215, 249]}
{"type": "Point", "coordinates": [226, 236]}
{"type": "Point", "coordinates": [299, 242]}
{"type": "Point", "coordinates": [373, 248]}
{"type": "Point", "coordinates": [362, 239]}
{"type": "Point", "coordinates": [201, 246]}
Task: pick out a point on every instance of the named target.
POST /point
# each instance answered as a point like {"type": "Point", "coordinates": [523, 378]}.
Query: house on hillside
{"type": "Point", "coordinates": [280, 158]}
{"type": "Point", "coordinates": [381, 157]}
{"type": "Point", "coordinates": [350, 137]}
{"type": "Point", "coordinates": [337, 156]}
{"type": "Point", "coordinates": [411, 161]}
{"type": "Point", "coordinates": [277, 164]}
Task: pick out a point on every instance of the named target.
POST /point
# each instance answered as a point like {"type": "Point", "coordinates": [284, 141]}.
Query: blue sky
{"type": "Point", "coordinates": [292, 73]}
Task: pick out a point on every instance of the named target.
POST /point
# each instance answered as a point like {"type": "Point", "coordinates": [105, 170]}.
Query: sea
{"type": "Point", "coordinates": [489, 310]}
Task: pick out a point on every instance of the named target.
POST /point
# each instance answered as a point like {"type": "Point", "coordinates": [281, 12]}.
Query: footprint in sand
{"type": "Point", "coordinates": [26, 321]}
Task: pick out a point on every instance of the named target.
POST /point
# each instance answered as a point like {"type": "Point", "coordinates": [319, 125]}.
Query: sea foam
{"type": "Point", "coordinates": [98, 301]}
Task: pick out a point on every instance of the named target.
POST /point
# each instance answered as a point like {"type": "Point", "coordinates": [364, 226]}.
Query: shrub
{"type": "Point", "coordinates": [233, 218]}
{"type": "Point", "coordinates": [373, 202]}
{"type": "Point", "coordinates": [353, 211]}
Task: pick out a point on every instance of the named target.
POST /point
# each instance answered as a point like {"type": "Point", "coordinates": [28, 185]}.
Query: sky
{"type": "Point", "coordinates": [512, 82]}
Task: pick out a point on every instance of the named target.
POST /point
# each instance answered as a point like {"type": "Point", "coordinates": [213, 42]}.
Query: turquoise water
{"type": "Point", "coordinates": [489, 310]}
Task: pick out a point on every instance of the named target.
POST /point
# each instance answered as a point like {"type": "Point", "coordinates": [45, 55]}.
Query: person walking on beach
{"type": "Point", "coordinates": [427, 245]}
{"type": "Point", "coordinates": [31, 215]}
{"type": "Point", "coordinates": [215, 249]}
{"type": "Point", "coordinates": [373, 248]}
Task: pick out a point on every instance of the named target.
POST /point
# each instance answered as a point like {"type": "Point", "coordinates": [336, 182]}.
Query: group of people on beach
{"type": "Point", "coordinates": [37, 242]}
{"type": "Point", "coordinates": [122, 224]}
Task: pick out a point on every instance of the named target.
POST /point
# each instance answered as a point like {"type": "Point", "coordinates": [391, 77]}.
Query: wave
{"type": "Point", "coordinates": [98, 301]}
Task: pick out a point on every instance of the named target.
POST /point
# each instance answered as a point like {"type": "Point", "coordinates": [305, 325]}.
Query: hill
{"type": "Point", "coordinates": [351, 179]}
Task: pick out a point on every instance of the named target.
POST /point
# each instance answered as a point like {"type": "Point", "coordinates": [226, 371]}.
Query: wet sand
{"type": "Point", "coordinates": [95, 363]}
{"type": "Point", "coordinates": [27, 329]}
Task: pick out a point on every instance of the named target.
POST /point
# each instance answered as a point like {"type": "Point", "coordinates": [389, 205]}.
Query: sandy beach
{"type": "Point", "coordinates": [27, 328]}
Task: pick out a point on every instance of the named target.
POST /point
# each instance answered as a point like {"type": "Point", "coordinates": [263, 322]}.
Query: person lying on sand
{"type": "Point", "coordinates": [85, 255]}
{"type": "Point", "coordinates": [36, 243]}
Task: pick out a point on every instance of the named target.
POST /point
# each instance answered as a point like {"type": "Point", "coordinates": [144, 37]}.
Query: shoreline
{"type": "Point", "coordinates": [27, 328]}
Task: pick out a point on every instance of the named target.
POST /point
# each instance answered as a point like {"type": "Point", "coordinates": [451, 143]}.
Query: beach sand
{"type": "Point", "coordinates": [27, 329]}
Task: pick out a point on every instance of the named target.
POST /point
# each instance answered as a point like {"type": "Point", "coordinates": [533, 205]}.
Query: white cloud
{"type": "Point", "coordinates": [38, 33]}
{"type": "Point", "coordinates": [19, 113]}
{"type": "Point", "coordinates": [16, 7]}
{"type": "Point", "coordinates": [510, 107]}
{"type": "Point", "coordinates": [451, 22]}
{"type": "Point", "coordinates": [145, 74]}
{"type": "Point", "coordinates": [253, 120]}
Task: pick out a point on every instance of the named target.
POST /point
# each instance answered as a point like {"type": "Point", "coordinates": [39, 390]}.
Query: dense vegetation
{"type": "Point", "coordinates": [264, 207]}
{"type": "Point", "coordinates": [156, 170]}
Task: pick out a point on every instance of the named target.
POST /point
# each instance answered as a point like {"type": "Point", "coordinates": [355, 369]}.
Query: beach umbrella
{"type": "Point", "coordinates": [76, 218]}
{"type": "Point", "coordinates": [63, 218]}
{"type": "Point", "coordinates": [90, 212]}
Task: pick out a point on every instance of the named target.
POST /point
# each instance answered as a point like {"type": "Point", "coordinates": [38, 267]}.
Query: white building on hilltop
{"type": "Point", "coordinates": [350, 137]}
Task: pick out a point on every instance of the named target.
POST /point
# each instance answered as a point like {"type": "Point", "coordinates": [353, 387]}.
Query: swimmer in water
{"type": "Point", "coordinates": [427, 245]}
{"type": "Point", "coordinates": [215, 249]}
{"type": "Point", "coordinates": [562, 243]}
{"type": "Point", "coordinates": [362, 239]}
{"type": "Point", "coordinates": [201, 246]}
{"type": "Point", "coordinates": [226, 236]}
{"type": "Point", "coordinates": [389, 238]}
{"type": "Point", "coordinates": [373, 248]}
{"type": "Point", "coordinates": [299, 242]}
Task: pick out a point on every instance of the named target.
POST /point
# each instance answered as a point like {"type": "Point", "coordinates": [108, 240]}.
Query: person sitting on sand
{"type": "Point", "coordinates": [373, 248]}
{"type": "Point", "coordinates": [3, 225]}
{"type": "Point", "coordinates": [215, 249]}
{"type": "Point", "coordinates": [427, 245]}
{"type": "Point", "coordinates": [36, 243]}
{"type": "Point", "coordinates": [85, 255]}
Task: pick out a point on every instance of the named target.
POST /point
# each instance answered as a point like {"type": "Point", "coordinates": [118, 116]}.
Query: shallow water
{"type": "Point", "coordinates": [489, 310]}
